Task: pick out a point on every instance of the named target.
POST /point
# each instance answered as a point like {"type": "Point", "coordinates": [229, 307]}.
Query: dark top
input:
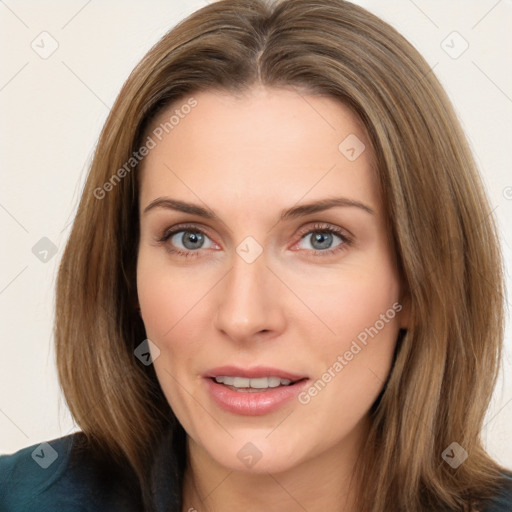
{"type": "Point", "coordinates": [62, 476]}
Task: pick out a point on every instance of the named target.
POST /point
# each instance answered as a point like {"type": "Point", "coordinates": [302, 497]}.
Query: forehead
{"type": "Point", "coordinates": [271, 145]}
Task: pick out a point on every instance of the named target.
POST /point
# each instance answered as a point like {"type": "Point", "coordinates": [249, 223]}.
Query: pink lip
{"type": "Point", "coordinates": [252, 373]}
{"type": "Point", "coordinates": [255, 403]}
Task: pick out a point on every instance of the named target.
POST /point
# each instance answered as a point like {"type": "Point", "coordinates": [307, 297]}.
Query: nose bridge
{"type": "Point", "coordinates": [247, 304]}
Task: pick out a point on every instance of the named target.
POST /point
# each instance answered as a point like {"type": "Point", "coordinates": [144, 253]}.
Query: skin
{"type": "Point", "coordinates": [247, 158]}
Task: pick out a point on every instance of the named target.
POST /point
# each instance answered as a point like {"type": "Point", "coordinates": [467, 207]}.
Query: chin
{"type": "Point", "coordinates": [259, 456]}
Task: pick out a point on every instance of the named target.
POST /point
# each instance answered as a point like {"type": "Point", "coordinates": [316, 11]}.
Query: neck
{"type": "Point", "coordinates": [324, 482]}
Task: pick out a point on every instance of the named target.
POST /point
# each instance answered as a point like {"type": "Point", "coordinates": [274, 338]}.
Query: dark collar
{"type": "Point", "coordinates": [167, 471]}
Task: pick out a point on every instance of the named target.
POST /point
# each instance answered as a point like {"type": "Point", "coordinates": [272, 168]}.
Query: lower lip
{"type": "Point", "coordinates": [253, 403]}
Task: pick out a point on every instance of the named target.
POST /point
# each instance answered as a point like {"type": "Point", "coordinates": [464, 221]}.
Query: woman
{"type": "Point", "coordinates": [283, 286]}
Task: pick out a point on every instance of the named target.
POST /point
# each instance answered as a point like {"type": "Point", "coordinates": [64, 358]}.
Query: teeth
{"type": "Point", "coordinates": [259, 383]}
{"type": "Point", "coordinates": [241, 382]}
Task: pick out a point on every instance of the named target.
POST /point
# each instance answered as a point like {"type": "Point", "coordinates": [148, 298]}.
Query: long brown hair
{"type": "Point", "coordinates": [440, 221]}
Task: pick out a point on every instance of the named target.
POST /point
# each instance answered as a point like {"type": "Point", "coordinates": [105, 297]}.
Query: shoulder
{"type": "Point", "coordinates": [502, 502]}
{"type": "Point", "coordinates": [63, 474]}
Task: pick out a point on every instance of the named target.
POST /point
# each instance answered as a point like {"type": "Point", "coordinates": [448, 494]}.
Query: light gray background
{"type": "Point", "coordinates": [52, 112]}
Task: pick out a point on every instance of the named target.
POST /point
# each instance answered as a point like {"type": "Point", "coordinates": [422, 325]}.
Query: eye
{"type": "Point", "coordinates": [189, 239]}
{"type": "Point", "coordinates": [186, 240]}
{"type": "Point", "coordinates": [323, 239]}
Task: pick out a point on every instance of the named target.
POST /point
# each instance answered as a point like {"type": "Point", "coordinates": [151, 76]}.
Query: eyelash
{"type": "Point", "coordinates": [317, 228]}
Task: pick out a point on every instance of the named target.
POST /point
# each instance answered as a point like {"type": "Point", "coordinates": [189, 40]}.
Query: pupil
{"type": "Point", "coordinates": [324, 240]}
{"type": "Point", "coordinates": [192, 240]}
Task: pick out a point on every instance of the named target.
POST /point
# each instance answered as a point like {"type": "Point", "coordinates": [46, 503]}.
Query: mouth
{"type": "Point", "coordinates": [255, 391]}
{"type": "Point", "coordinates": [254, 385]}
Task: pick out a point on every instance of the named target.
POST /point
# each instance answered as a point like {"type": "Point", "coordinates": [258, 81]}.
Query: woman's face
{"type": "Point", "coordinates": [264, 259]}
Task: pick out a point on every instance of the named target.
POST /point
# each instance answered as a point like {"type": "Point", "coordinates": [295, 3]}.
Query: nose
{"type": "Point", "coordinates": [249, 305]}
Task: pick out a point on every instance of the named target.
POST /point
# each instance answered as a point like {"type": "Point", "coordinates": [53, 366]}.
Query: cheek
{"type": "Point", "coordinates": [167, 300]}
{"type": "Point", "coordinates": [167, 296]}
{"type": "Point", "coordinates": [355, 361]}
{"type": "Point", "coordinates": [350, 305]}
{"type": "Point", "coordinates": [361, 310]}
{"type": "Point", "coordinates": [367, 306]}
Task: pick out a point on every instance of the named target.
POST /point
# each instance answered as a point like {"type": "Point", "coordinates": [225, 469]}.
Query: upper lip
{"type": "Point", "coordinates": [252, 373]}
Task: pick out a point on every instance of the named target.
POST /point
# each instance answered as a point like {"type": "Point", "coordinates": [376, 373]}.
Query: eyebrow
{"type": "Point", "coordinates": [291, 213]}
